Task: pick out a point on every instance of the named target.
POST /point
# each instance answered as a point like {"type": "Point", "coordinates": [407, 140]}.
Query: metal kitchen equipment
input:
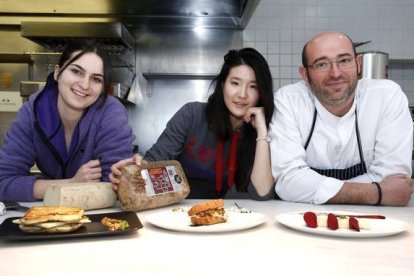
{"type": "Point", "coordinates": [55, 35]}
{"type": "Point", "coordinates": [179, 47]}
{"type": "Point", "coordinates": [134, 14]}
{"type": "Point", "coordinates": [374, 65]}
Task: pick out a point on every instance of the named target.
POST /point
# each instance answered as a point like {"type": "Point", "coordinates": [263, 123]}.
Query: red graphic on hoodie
{"type": "Point", "coordinates": [188, 149]}
{"type": "Point", "coordinates": [205, 154]}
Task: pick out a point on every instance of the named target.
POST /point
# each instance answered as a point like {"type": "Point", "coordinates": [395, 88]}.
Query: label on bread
{"type": "Point", "coordinates": [161, 180]}
{"type": "Point", "coordinates": [152, 185]}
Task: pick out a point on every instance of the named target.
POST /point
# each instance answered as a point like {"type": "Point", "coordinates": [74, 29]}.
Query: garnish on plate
{"type": "Point", "coordinates": [115, 224]}
{"type": "Point", "coordinates": [180, 209]}
{"type": "Point", "coordinates": [238, 209]}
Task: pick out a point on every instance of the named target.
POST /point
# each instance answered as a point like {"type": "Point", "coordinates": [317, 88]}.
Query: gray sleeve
{"type": "Point", "coordinates": [172, 140]}
{"type": "Point", "coordinates": [253, 194]}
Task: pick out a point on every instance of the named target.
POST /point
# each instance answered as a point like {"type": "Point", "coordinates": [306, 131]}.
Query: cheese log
{"type": "Point", "coordinates": [90, 195]}
{"type": "Point", "coordinates": [152, 185]}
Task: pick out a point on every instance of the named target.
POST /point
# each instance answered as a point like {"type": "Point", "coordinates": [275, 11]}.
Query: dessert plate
{"type": "Point", "coordinates": [378, 227]}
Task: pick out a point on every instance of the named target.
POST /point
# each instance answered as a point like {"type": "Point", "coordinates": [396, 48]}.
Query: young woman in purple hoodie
{"type": "Point", "coordinates": [70, 129]}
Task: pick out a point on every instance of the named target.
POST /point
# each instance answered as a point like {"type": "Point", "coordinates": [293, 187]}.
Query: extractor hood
{"type": "Point", "coordinates": [137, 13]}
{"type": "Point", "coordinates": [113, 36]}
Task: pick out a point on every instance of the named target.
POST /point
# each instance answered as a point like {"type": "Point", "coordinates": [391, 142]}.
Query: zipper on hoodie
{"type": "Point", "coordinates": [46, 140]}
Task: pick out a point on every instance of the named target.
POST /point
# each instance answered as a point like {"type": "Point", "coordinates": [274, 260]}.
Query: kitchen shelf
{"type": "Point", "coordinates": [16, 58]}
{"type": "Point", "coordinates": [400, 60]}
{"type": "Point", "coordinates": [150, 76]}
{"type": "Point", "coordinates": [177, 76]}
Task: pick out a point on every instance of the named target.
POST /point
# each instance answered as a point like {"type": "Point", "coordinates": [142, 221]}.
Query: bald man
{"type": "Point", "coordinates": [339, 139]}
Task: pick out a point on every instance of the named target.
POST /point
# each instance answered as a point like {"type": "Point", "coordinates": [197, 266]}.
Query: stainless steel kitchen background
{"type": "Point", "coordinates": [174, 67]}
{"type": "Point", "coordinates": [17, 68]}
{"type": "Point", "coordinates": [174, 61]}
{"type": "Point", "coordinates": [277, 28]}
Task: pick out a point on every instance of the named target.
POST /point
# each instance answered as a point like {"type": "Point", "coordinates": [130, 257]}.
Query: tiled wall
{"type": "Point", "coordinates": [403, 74]}
{"type": "Point", "coordinates": [279, 29]}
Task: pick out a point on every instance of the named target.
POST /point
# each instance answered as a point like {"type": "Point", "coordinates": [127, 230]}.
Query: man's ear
{"type": "Point", "coordinates": [304, 73]}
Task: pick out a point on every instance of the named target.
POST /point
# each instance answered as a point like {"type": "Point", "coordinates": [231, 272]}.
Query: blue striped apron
{"type": "Point", "coordinates": [347, 173]}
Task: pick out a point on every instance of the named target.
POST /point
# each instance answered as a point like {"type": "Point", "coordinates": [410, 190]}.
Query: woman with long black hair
{"type": "Point", "coordinates": [223, 145]}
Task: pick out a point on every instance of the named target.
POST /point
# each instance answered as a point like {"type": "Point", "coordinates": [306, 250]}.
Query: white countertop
{"type": "Point", "coordinates": [270, 247]}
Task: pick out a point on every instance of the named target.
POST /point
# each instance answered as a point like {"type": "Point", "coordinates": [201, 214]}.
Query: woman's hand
{"type": "Point", "coordinates": [256, 117]}
{"type": "Point", "coordinates": [116, 169]}
{"type": "Point", "coordinates": [261, 175]}
{"type": "Point", "coordinates": [88, 172]}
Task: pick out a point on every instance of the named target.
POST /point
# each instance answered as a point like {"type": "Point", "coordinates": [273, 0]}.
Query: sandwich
{"type": "Point", "coordinates": [208, 213]}
{"type": "Point", "coordinates": [52, 219]}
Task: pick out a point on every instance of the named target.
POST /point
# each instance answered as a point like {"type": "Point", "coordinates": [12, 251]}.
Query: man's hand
{"type": "Point", "coordinates": [396, 190]}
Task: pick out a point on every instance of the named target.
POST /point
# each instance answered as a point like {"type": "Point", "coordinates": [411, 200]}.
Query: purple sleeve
{"type": "Point", "coordinates": [114, 138]}
{"type": "Point", "coordinates": [16, 158]}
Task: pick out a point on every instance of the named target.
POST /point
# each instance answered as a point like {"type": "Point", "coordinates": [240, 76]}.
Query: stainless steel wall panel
{"type": "Point", "coordinates": [181, 63]}
{"type": "Point", "coordinates": [150, 114]}
{"type": "Point", "coordinates": [133, 13]}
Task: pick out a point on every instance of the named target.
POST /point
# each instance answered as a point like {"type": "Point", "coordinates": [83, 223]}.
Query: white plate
{"type": "Point", "coordinates": [180, 221]}
{"type": "Point", "coordinates": [378, 227]}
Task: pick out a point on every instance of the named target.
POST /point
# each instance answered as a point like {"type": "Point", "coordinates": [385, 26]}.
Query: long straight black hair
{"type": "Point", "coordinates": [85, 47]}
{"type": "Point", "coordinates": [218, 115]}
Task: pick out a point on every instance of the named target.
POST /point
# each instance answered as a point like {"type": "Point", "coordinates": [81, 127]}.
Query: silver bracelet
{"type": "Point", "coordinates": [267, 139]}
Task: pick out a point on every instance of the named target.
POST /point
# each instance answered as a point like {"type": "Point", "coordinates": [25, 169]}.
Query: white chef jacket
{"type": "Point", "coordinates": [386, 131]}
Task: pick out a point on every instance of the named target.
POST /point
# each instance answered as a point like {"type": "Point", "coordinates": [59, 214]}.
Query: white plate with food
{"type": "Point", "coordinates": [370, 227]}
{"type": "Point", "coordinates": [177, 219]}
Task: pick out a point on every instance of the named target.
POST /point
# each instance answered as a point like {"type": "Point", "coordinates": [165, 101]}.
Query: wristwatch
{"type": "Point", "coordinates": [267, 139]}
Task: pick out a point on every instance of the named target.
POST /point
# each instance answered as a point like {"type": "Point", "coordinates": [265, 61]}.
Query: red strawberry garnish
{"type": "Point", "coordinates": [353, 224]}
{"type": "Point", "coordinates": [311, 219]}
{"type": "Point", "coordinates": [332, 222]}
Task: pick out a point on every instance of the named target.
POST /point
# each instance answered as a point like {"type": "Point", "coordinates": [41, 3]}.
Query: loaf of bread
{"type": "Point", "coordinates": [152, 185]}
{"type": "Point", "coordinates": [88, 195]}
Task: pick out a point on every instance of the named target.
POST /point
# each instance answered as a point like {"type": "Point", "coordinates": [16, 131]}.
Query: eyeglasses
{"type": "Point", "coordinates": [326, 65]}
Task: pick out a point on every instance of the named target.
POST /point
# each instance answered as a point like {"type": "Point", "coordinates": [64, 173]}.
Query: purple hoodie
{"type": "Point", "coordinates": [37, 136]}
